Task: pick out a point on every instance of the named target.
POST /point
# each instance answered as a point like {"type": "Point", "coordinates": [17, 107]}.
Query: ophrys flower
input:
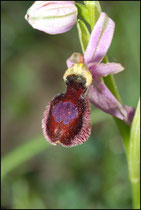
{"type": "Point", "coordinates": [67, 117]}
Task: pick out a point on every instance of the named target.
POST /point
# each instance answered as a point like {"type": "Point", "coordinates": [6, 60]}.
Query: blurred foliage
{"type": "Point", "coordinates": [93, 175]}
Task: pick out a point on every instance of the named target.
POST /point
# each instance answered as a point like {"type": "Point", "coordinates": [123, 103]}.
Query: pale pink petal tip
{"type": "Point", "coordinates": [100, 39]}
{"type": "Point", "coordinates": [104, 69]}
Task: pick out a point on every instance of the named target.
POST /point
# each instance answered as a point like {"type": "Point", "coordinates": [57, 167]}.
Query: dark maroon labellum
{"type": "Point", "coordinates": [67, 118]}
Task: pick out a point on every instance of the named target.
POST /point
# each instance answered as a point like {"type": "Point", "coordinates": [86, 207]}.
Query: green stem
{"type": "Point", "coordinates": [134, 158]}
{"type": "Point", "coordinates": [122, 127]}
{"type": "Point", "coordinates": [21, 154]}
{"type": "Point", "coordinates": [136, 194]}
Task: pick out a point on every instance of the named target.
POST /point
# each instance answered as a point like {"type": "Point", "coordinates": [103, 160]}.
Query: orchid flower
{"type": "Point", "coordinates": [98, 94]}
{"type": "Point", "coordinates": [67, 117]}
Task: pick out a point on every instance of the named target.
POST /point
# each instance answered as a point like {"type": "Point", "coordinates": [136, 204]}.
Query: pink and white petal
{"type": "Point", "coordinates": [100, 39]}
{"type": "Point", "coordinates": [100, 96]}
{"type": "Point", "coordinates": [103, 69]}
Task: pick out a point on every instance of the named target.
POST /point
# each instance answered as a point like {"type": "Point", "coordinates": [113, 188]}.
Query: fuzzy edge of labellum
{"type": "Point", "coordinates": [81, 136]}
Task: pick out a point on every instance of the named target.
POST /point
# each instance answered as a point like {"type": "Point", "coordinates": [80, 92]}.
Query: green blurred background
{"type": "Point", "coordinates": [93, 175]}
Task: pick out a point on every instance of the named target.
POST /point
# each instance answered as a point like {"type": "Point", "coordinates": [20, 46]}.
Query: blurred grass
{"type": "Point", "coordinates": [93, 175]}
{"type": "Point", "coordinates": [22, 154]}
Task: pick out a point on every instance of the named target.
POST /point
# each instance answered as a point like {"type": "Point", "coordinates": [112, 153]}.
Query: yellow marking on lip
{"type": "Point", "coordinates": [79, 69]}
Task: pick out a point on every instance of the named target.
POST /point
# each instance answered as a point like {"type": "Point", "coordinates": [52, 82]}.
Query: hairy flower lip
{"type": "Point", "coordinates": [52, 17]}
{"type": "Point", "coordinates": [80, 137]}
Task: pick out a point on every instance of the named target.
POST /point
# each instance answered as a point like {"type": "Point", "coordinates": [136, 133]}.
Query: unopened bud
{"type": "Point", "coordinates": [52, 17]}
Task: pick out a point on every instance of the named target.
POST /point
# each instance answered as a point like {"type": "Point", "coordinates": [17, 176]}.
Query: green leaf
{"type": "Point", "coordinates": [134, 157]}
{"type": "Point", "coordinates": [83, 34]}
{"type": "Point", "coordinates": [21, 154]}
{"type": "Point", "coordinates": [94, 10]}
{"type": "Point", "coordinates": [83, 12]}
